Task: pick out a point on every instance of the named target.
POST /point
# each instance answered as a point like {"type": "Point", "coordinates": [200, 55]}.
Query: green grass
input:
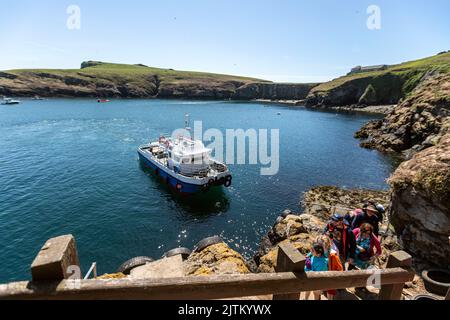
{"type": "Point", "coordinates": [134, 73]}
{"type": "Point", "coordinates": [411, 72]}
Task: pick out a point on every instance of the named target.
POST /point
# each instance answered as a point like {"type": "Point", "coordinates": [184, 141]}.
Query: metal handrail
{"type": "Point", "coordinates": [93, 269]}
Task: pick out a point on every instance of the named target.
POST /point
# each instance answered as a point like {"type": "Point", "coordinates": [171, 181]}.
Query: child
{"type": "Point", "coordinates": [334, 262]}
{"type": "Point", "coordinates": [316, 261]}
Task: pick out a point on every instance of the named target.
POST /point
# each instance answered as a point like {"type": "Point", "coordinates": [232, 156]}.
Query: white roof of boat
{"type": "Point", "coordinates": [186, 147]}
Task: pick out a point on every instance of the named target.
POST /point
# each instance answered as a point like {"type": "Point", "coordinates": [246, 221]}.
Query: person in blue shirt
{"type": "Point", "coordinates": [316, 260]}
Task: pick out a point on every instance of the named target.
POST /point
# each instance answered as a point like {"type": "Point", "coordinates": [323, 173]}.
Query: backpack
{"type": "Point", "coordinates": [308, 262]}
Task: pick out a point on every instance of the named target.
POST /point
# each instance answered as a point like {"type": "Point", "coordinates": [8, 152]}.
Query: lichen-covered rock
{"type": "Point", "coordinates": [216, 259]}
{"type": "Point", "coordinates": [321, 202]}
{"type": "Point", "coordinates": [312, 224]}
{"type": "Point", "coordinates": [289, 226]}
{"type": "Point", "coordinates": [421, 203]}
{"type": "Point", "coordinates": [302, 242]}
{"type": "Point", "coordinates": [112, 276]}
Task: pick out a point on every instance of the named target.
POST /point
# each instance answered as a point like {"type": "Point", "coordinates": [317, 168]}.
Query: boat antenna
{"type": "Point", "coordinates": [187, 124]}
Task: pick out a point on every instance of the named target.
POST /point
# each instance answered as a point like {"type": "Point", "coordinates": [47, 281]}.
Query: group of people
{"type": "Point", "coordinates": [348, 242]}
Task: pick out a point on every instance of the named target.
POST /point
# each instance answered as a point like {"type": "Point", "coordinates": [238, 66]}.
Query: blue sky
{"type": "Point", "coordinates": [282, 40]}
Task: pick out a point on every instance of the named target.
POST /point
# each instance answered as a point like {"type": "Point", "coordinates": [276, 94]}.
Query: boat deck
{"type": "Point", "coordinates": [159, 156]}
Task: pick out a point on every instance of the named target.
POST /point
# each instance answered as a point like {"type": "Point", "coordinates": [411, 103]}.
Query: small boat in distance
{"type": "Point", "coordinates": [184, 164]}
{"type": "Point", "coordinates": [36, 97]}
{"type": "Point", "coordinates": [103, 100]}
{"type": "Point", "coordinates": [9, 101]}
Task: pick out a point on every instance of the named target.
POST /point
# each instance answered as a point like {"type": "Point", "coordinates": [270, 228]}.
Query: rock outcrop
{"type": "Point", "coordinates": [415, 124]}
{"type": "Point", "coordinates": [386, 86]}
{"type": "Point", "coordinates": [273, 91]}
{"type": "Point", "coordinates": [358, 91]}
{"type": "Point", "coordinates": [421, 204]}
{"type": "Point", "coordinates": [216, 259]}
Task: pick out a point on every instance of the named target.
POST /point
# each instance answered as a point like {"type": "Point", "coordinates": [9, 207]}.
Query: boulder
{"type": "Point", "coordinates": [218, 259]}
{"type": "Point", "coordinates": [289, 226]}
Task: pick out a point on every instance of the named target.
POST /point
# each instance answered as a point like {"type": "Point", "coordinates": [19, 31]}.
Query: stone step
{"type": "Point", "coordinates": [165, 268]}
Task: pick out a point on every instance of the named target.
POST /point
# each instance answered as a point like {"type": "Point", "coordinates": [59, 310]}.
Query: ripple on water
{"type": "Point", "coordinates": [68, 166]}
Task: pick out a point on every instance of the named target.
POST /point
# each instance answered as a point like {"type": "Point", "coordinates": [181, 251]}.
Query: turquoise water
{"type": "Point", "coordinates": [70, 166]}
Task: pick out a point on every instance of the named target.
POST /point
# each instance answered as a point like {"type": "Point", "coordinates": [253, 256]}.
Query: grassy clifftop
{"type": "Point", "coordinates": [109, 79]}
{"type": "Point", "coordinates": [389, 85]}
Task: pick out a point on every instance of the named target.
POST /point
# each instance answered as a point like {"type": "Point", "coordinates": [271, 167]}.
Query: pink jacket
{"type": "Point", "coordinates": [374, 242]}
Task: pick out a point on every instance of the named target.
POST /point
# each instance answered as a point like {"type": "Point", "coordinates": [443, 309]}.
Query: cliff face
{"type": "Point", "coordinates": [273, 91]}
{"type": "Point", "coordinates": [98, 79]}
{"type": "Point", "coordinates": [421, 203]}
{"type": "Point", "coordinates": [415, 124]}
{"type": "Point", "coordinates": [377, 87]}
{"type": "Point", "coordinates": [384, 89]}
{"type": "Point", "coordinates": [75, 84]}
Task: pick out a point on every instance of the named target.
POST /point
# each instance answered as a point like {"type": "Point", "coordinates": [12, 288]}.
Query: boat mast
{"type": "Point", "coordinates": [187, 124]}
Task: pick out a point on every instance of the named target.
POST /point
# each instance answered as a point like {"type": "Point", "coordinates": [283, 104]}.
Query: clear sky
{"type": "Point", "coordinates": [279, 40]}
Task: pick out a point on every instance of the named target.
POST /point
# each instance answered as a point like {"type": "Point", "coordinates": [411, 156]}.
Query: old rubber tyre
{"type": "Point", "coordinates": [279, 220]}
{"type": "Point", "coordinates": [207, 242]}
{"type": "Point", "coordinates": [129, 265]}
{"type": "Point", "coordinates": [424, 297]}
{"type": "Point", "coordinates": [286, 213]}
{"type": "Point", "coordinates": [184, 252]}
{"type": "Point", "coordinates": [437, 281]}
{"type": "Point", "coordinates": [228, 181]}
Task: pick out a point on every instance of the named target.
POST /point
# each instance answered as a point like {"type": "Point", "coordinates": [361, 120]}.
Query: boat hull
{"type": "Point", "coordinates": [178, 185]}
{"type": "Point", "coordinates": [10, 103]}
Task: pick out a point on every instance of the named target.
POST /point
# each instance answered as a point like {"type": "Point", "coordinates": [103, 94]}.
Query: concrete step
{"type": "Point", "coordinates": [165, 268]}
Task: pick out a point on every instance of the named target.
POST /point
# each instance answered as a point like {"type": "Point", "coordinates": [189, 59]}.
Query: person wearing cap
{"type": "Point", "coordinates": [370, 214]}
{"type": "Point", "coordinates": [342, 237]}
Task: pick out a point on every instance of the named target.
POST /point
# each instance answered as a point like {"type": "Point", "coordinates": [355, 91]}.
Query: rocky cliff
{"type": "Point", "coordinates": [416, 123]}
{"type": "Point", "coordinates": [421, 204]}
{"type": "Point", "coordinates": [98, 79]}
{"type": "Point", "coordinates": [419, 127]}
{"type": "Point", "coordinates": [377, 87]}
{"type": "Point", "coordinates": [358, 91]}
{"type": "Point", "coordinates": [274, 91]}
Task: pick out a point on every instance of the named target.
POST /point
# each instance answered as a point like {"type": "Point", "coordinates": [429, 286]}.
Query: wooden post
{"type": "Point", "coordinates": [53, 261]}
{"type": "Point", "coordinates": [399, 259]}
{"type": "Point", "coordinates": [289, 260]}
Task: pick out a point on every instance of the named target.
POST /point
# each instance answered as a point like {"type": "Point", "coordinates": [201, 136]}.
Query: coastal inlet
{"type": "Point", "coordinates": [71, 167]}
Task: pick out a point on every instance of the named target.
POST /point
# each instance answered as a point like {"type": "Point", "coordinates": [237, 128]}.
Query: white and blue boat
{"type": "Point", "coordinates": [184, 164]}
{"type": "Point", "coordinates": [9, 101]}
